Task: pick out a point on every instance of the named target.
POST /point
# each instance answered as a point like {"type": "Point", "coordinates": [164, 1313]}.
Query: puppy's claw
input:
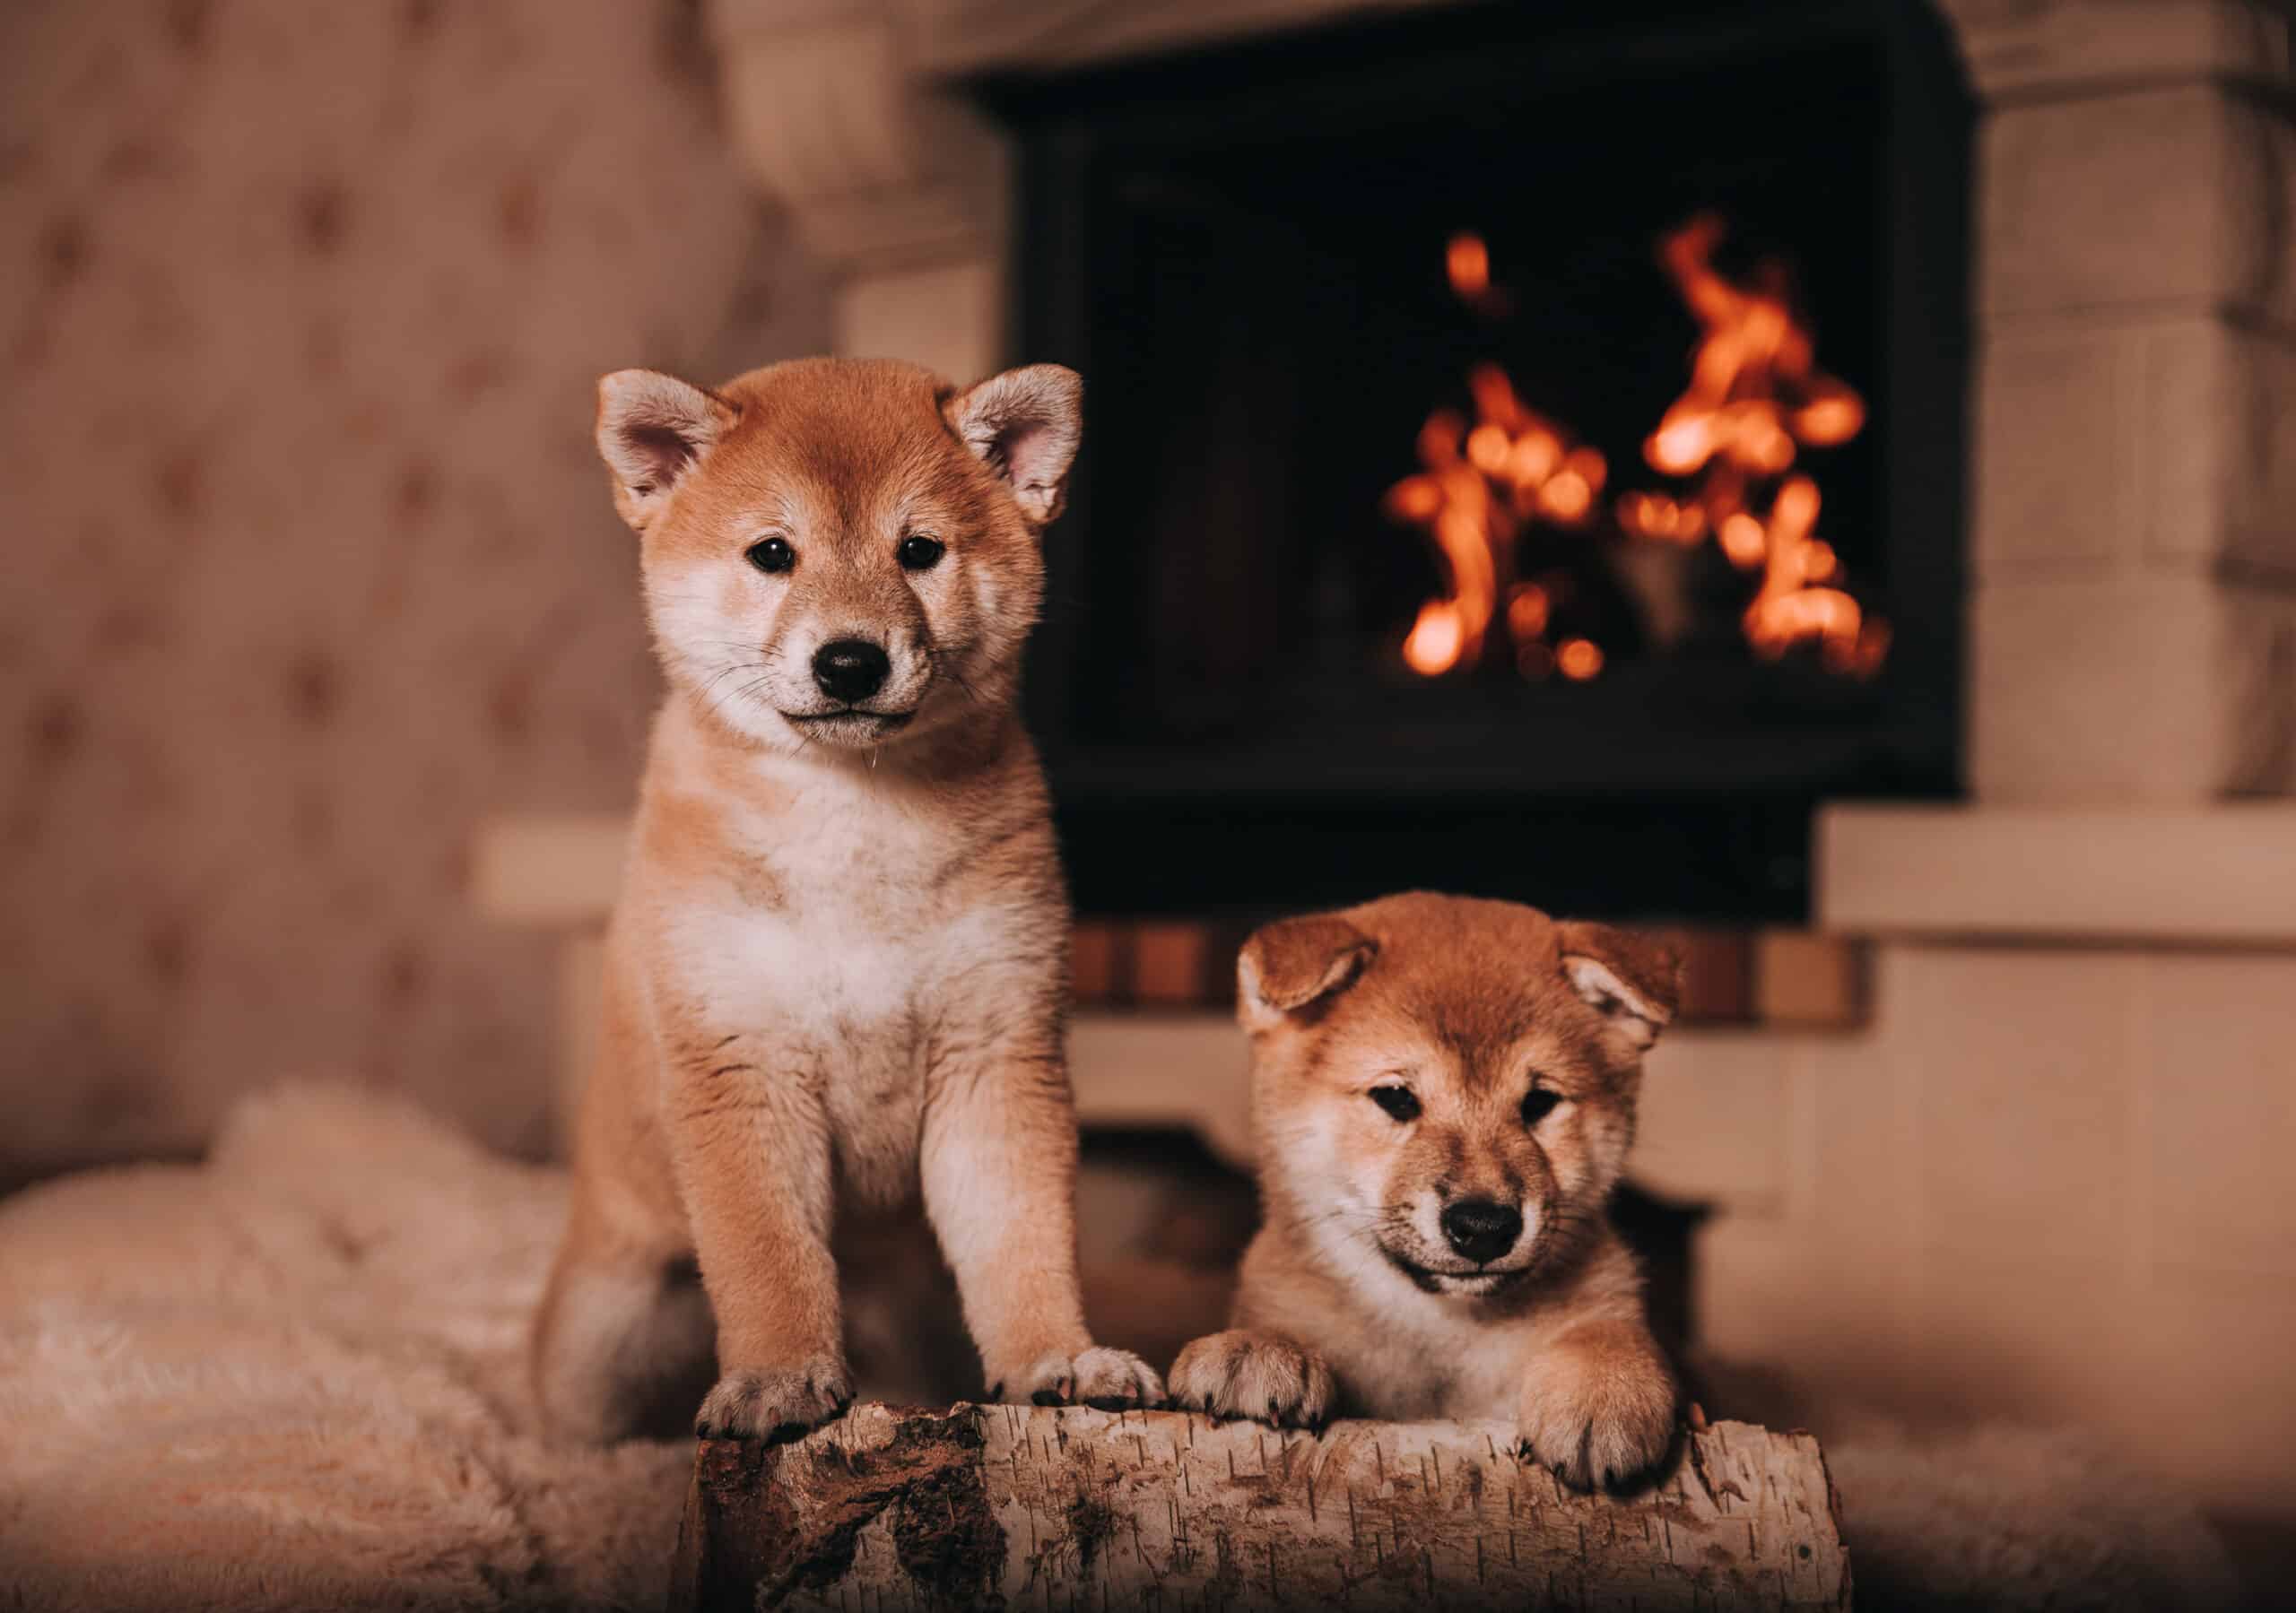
{"type": "Point", "coordinates": [1113, 1380]}
{"type": "Point", "coordinates": [775, 1405]}
{"type": "Point", "coordinates": [1244, 1374]}
{"type": "Point", "coordinates": [1595, 1427]}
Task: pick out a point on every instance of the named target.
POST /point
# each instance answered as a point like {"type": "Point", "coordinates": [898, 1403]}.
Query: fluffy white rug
{"type": "Point", "coordinates": [292, 1378]}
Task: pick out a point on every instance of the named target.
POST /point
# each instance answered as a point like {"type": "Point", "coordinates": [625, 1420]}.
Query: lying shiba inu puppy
{"type": "Point", "coordinates": [1443, 1093]}
{"type": "Point", "coordinates": [837, 968]}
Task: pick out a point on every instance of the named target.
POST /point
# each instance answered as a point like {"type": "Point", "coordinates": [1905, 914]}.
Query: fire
{"type": "Point", "coordinates": [1482, 482]}
{"type": "Point", "coordinates": [1755, 401]}
{"type": "Point", "coordinates": [1436, 638]}
{"type": "Point", "coordinates": [1656, 515]}
{"type": "Point", "coordinates": [1578, 659]}
{"type": "Point", "coordinates": [1756, 398]}
{"type": "Point", "coordinates": [1789, 609]}
{"type": "Point", "coordinates": [1527, 612]}
{"type": "Point", "coordinates": [1467, 261]}
{"type": "Point", "coordinates": [1756, 393]}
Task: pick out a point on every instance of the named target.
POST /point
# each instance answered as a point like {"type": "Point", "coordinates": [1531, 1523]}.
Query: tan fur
{"type": "Point", "coordinates": [1351, 1297]}
{"type": "Point", "coordinates": [836, 970]}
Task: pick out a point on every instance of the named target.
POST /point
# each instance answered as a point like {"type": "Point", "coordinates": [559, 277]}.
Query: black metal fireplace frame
{"type": "Point", "coordinates": [1709, 818]}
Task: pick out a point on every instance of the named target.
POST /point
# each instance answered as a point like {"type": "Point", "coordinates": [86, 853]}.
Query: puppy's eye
{"type": "Point", "coordinates": [773, 555]}
{"type": "Point", "coordinates": [919, 553]}
{"type": "Point", "coordinates": [1397, 1101]}
{"type": "Point", "coordinates": [1538, 1103]}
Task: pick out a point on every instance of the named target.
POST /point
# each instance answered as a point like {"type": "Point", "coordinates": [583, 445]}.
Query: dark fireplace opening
{"type": "Point", "coordinates": [1524, 451]}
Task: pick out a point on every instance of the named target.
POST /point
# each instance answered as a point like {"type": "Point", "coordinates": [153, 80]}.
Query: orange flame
{"type": "Point", "coordinates": [1578, 659]}
{"type": "Point", "coordinates": [1788, 610]}
{"type": "Point", "coordinates": [1481, 483]}
{"type": "Point", "coordinates": [1756, 398]}
{"type": "Point", "coordinates": [1468, 263]}
{"type": "Point", "coordinates": [1656, 515]}
{"type": "Point", "coordinates": [1527, 612]}
{"type": "Point", "coordinates": [1436, 638]}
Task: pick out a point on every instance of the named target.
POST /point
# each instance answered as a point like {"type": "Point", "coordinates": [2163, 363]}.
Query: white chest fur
{"type": "Point", "coordinates": [831, 938]}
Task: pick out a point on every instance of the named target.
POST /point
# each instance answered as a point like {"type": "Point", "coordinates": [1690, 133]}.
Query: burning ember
{"type": "Point", "coordinates": [1756, 399]}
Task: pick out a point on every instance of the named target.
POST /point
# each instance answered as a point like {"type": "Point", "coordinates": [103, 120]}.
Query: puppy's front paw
{"type": "Point", "coordinates": [1245, 1373]}
{"type": "Point", "coordinates": [1597, 1417]}
{"type": "Point", "coordinates": [1114, 1379]}
{"type": "Point", "coordinates": [774, 1404]}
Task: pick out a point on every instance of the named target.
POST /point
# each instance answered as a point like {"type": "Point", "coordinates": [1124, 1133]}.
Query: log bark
{"type": "Point", "coordinates": [1068, 1507]}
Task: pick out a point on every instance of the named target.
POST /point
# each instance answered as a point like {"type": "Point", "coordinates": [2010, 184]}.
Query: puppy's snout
{"type": "Point", "coordinates": [1481, 1229]}
{"type": "Point", "coordinates": [850, 669]}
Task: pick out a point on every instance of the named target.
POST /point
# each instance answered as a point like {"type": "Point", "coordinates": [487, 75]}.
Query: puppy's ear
{"type": "Point", "coordinates": [1633, 981]}
{"type": "Point", "coordinates": [1024, 425]}
{"type": "Point", "coordinates": [1295, 963]}
{"type": "Point", "coordinates": [654, 429]}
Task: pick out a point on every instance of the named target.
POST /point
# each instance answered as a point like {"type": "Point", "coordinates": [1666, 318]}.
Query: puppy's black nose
{"type": "Point", "coordinates": [1482, 1230]}
{"type": "Point", "coordinates": [850, 669]}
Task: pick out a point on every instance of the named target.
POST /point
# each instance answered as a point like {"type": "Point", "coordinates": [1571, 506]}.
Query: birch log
{"type": "Point", "coordinates": [1069, 1507]}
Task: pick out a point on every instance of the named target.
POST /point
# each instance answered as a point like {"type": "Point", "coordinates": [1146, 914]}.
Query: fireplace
{"type": "Point", "coordinates": [1525, 451]}
{"type": "Point", "coordinates": [2045, 1158]}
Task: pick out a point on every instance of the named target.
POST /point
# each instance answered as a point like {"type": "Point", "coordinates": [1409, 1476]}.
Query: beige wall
{"type": "Point", "coordinates": [307, 562]}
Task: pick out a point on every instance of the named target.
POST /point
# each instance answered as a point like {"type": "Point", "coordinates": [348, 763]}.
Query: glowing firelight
{"type": "Point", "coordinates": [1467, 261]}
{"type": "Point", "coordinates": [1743, 539]}
{"type": "Point", "coordinates": [1755, 400]}
{"type": "Point", "coordinates": [1527, 612]}
{"type": "Point", "coordinates": [1482, 483]}
{"type": "Point", "coordinates": [1578, 659]}
{"type": "Point", "coordinates": [1436, 638]}
{"type": "Point", "coordinates": [1789, 609]}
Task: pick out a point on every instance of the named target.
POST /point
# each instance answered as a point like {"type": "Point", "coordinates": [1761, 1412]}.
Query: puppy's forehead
{"type": "Point", "coordinates": [1477, 977]}
{"type": "Point", "coordinates": [855, 432]}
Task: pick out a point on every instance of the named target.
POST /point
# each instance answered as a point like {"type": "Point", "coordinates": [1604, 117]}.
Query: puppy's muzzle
{"type": "Point", "coordinates": [850, 670]}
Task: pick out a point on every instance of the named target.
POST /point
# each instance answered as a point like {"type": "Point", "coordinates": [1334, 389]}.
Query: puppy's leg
{"type": "Point", "coordinates": [1598, 1404]}
{"type": "Point", "coordinates": [999, 1173]}
{"type": "Point", "coordinates": [624, 1344]}
{"type": "Point", "coordinates": [1247, 1371]}
{"type": "Point", "coordinates": [752, 1147]}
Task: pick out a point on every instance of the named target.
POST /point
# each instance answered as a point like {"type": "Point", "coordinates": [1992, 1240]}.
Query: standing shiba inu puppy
{"type": "Point", "coordinates": [835, 971]}
{"type": "Point", "coordinates": [1443, 1093]}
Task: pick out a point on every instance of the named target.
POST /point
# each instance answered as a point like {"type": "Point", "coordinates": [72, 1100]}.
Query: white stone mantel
{"type": "Point", "coordinates": [2221, 875]}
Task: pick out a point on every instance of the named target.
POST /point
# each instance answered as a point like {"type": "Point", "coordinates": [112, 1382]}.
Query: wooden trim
{"type": "Point", "coordinates": [1793, 977]}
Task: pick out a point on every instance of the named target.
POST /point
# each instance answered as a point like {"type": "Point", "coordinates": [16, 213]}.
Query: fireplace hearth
{"type": "Point", "coordinates": [1427, 532]}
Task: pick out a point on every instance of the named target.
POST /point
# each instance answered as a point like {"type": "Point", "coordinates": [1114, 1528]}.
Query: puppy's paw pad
{"type": "Point", "coordinates": [1244, 1374]}
{"type": "Point", "coordinates": [1114, 1379]}
{"type": "Point", "coordinates": [774, 1404]}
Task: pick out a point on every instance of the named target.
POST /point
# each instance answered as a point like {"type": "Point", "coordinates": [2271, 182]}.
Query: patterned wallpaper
{"type": "Point", "coordinates": [305, 561]}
